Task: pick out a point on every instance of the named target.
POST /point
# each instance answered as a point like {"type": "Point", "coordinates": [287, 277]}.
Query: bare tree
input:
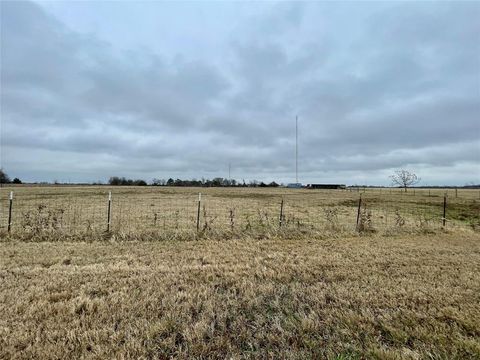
{"type": "Point", "coordinates": [404, 178]}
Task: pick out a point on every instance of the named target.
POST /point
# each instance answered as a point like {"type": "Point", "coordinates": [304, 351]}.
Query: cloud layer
{"type": "Point", "coordinates": [375, 87]}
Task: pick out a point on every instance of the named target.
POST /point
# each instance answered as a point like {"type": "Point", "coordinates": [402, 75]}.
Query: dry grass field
{"type": "Point", "coordinates": [172, 212]}
{"type": "Point", "coordinates": [243, 285]}
{"type": "Point", "coordinates": [398, 297]}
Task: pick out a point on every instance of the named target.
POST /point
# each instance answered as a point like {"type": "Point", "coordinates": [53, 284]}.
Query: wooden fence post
{"type": "Point", "coordinates": [198, 210]}
{"type": "Point", "coordinates": [109, 210]}
{"type": "Point", "coordinates": [444, 210]}
{"type": "Point", "coordinates": [280, 220]}
{"type": "Point", "coordinates": [10, 207]}
{"type": "Point", "coordinates": [358, 210]}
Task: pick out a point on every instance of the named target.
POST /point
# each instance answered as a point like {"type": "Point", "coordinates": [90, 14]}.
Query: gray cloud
{"type": "Point", "coordinates": [397, 88]}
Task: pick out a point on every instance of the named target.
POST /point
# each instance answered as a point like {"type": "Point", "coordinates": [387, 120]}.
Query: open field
{"type": "Point", "coordinates": [80, 211]}
{"type": "Point", "coordinates": [269, 273]}
{"type": "Point", "coordinates": [340, 298]}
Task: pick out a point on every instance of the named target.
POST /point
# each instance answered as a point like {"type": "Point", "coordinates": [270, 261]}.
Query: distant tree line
{"type": "Point", "coordinates": [401, 178]}
{"type": "Point", "coordinates": [5, 179]}
{"type": "Point", "coordinates": [115, 180]}
{"type": "Point", "coordinates": [215, 182]}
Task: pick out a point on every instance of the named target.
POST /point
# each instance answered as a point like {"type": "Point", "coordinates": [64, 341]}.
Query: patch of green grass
{"type": "Point", "coordinates": [466, 212]}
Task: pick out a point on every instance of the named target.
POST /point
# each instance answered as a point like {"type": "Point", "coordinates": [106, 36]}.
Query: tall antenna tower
{"type": "Point", "coordinates": [296, 149]}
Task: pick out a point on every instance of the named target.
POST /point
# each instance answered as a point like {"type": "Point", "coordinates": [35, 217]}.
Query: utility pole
{"type": "Point", "coordinates": [229, 171]}
{"type": "Point", "coordinates": [296, 149]}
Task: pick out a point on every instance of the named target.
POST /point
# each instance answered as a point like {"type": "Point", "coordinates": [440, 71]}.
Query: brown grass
{"type": "Point", "coordinates": [81, 211]}
{"type": "Point", "coordinates": [345, 298]}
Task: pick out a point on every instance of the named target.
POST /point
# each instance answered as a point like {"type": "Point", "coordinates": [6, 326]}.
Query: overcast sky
{"type": "Point", "coordinates": [181, 89]}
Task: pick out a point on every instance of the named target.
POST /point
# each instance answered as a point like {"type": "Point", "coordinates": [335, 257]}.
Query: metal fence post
{"type": "Point", "coordinates": [280, 220]}
{"type": "Point", "coordinates": [444, 210]}
{"type": "Point", "coordinates": [10, 207]}
{"type": "Point", "coordinates": [109, 211]}
{"type": "Point", "coordinates": [358, 210]}
{"type": "Point", "coordinates": [198, 210]}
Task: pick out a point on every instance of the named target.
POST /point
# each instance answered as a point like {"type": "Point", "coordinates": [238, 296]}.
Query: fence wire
{"type": "Point", "coordinates": [79, 211]}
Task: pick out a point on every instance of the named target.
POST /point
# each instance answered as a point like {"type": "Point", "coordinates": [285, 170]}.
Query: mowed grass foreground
{"type": "Point", "coordinates": [340, 298]}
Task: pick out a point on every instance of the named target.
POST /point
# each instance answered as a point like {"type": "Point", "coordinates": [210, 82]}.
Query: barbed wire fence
{"type": "Point", "coordinates": [104, 211]}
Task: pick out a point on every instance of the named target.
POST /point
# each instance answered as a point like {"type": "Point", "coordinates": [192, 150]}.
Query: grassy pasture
{"type": "Point", "coordinates": [80, 210]}
{"type": "Point", "coordinates": [243, 286]}
{"type": "Point", "coordinates": [397, 297]}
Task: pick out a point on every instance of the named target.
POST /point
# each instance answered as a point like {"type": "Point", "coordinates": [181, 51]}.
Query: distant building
{"type": "Point", "coordinates": [326, 186]}
{"type": "Point", "coordinates": [295, 186]}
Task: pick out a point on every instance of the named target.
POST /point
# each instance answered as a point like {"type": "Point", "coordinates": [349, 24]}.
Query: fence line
{"type": "Point", "coordinates": [36, 213]}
